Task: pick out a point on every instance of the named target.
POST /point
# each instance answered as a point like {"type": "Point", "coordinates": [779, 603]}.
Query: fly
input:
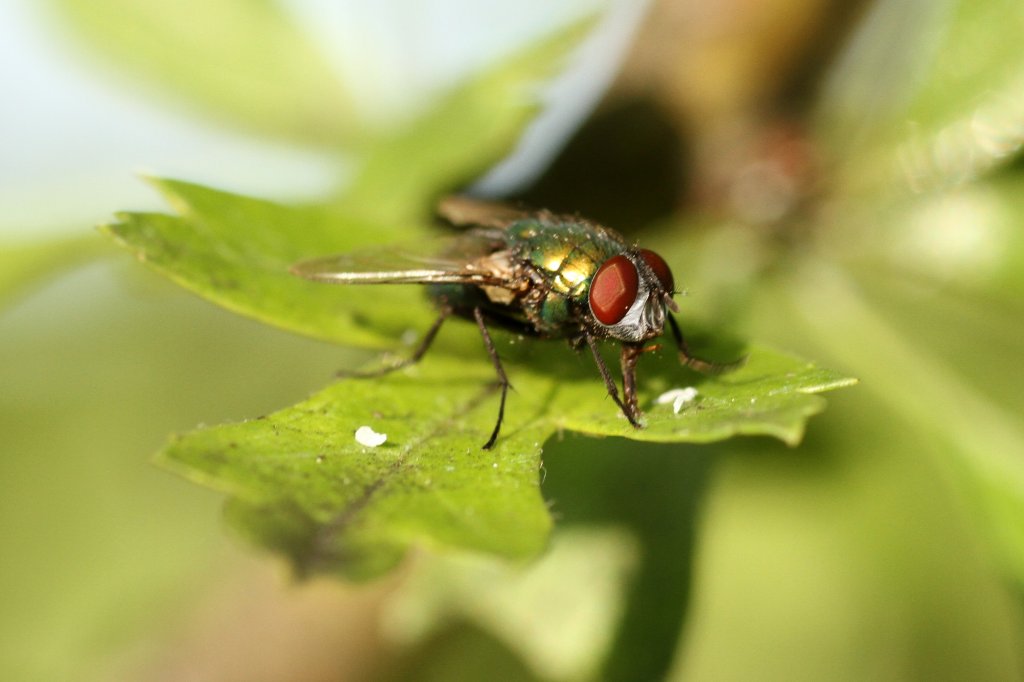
{"type": "Point", "coordinates": [538, 274]}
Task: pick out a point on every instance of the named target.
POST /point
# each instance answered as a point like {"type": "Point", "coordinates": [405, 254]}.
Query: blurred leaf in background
{"type": "Point", "coordinates": [28, 263]}
{"type": "Point", "coordinates": [103, 551]}
{"type": "Point", "coordinates": [248, 63]}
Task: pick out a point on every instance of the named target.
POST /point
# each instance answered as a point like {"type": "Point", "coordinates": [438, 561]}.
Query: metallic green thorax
{"type": "Point", "coordinates": [565, 255]}
{"type": "Point", "coordinates": [552, 261]}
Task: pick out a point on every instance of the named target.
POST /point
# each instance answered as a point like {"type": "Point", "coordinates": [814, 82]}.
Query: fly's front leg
{"type": "Point", "coordinates": [628, 358]}
{"type": "Point", "coordinates": [502, 378]}
{"type": "Point", "coordinates": [609, 382]}
{"type": "Point", "coordinates": [416, 356]}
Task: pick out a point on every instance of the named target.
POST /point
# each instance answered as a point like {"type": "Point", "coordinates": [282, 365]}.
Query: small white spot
{"type": "Point", "coordinates": [370, 438]}
{"type": "Point", "coordinates": [678, 397]}
{"type": "Point", "coordinates": [409, 337]}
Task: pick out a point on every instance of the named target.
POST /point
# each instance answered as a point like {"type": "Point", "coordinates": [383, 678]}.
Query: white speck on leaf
{"type": "Point", "coordinates": [370, 438]}
{"type": "Point", "coordinates": [678, 397]}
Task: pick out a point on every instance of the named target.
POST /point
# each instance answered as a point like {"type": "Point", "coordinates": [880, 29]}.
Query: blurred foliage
{"type": "Point", "coordinates": [246, 62]}
{"type": "Point", "coordinates": [553, 623]}
{"type": "Point", "coordinates": [405, 171]}
{"type": "Point", "coordinates": [954, 110]}
{"type": "Point", "coordinates": [870, 221]}
{"type": "Point", "coordinates": [27, 263]}
{"type": "Point", "coordinates": [100, 546]}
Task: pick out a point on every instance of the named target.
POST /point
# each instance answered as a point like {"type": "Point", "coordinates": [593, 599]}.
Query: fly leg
{"type": "Point", "coordinates": [416, 356]}
{"type": "Point", "coordinates": [631, 412]}
{"type": "Point", "coordinates": [502, 379]}
{"type": "Point", "coordinates": [627, 358]}
{"type": "Point", "coordinates": [693, 362]}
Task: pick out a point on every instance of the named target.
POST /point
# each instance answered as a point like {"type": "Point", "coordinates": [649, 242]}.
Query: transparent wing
{"type": "Point", "coordinates": [463, 211]}
{"type": "Point", "coordinates": [477, 257]}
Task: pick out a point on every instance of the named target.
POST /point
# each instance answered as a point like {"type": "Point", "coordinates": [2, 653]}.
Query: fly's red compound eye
{"type": "Point", "coordinates": [614, 289]}
{"type": "Point", "coordinates": [661, 269]}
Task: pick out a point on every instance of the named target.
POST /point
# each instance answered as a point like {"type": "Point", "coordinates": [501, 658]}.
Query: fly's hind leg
{"type": "Point", "coordinates": [416, 356]}
{"type": "Point", "coordinates": [502, 378]}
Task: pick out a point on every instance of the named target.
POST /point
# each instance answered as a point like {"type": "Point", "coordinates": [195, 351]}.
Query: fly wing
{"type": "Point", "coordinates": [463, 211]}
{"type": "Point", "coordinates": [473, 258]}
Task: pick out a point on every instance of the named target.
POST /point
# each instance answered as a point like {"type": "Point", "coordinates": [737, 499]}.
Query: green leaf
{"type": "Point", "coordinates": [773, 394]}
{"type": "Point", "coordinates": [968, 239]}
{"type": "Point", "coordinates": [470, 129]}
{"type": "Point", "coordinates": [24, 264]}
{"type": "Point", "coordinates": [976, 63]}
{"type": "Point", "coordinates": [558, 616]}
{"type": "Point", "coordinates": [658, 492]}
{"type": "Point", "coordinates": [241, 60]}
{"type": "Point", "coordinates": [982, 435]}
{"type": "Point", "coordinates": [863, 523]}
{"type": "Point", "coordinates": [301, 483]}
{"type": "Point", "coordinates": [236, 252]}
{"type": "Point", "coordinates": [304, 486]}
{"type": "Point", "coordinates": [931, 93]}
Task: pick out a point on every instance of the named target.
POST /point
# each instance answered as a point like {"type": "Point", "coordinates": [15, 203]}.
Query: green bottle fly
{"type": "Point", "coordinates": [537, 274]}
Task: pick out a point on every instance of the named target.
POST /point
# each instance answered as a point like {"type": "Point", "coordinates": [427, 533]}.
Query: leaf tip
{"type": "Point", "coordinates": [838, 382]}
{"type": "Point", "coordinates": [170, 190]}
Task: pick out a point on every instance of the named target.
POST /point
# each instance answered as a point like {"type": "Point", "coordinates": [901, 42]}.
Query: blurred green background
{"type": "Point", "coordinates": [840, 179]}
